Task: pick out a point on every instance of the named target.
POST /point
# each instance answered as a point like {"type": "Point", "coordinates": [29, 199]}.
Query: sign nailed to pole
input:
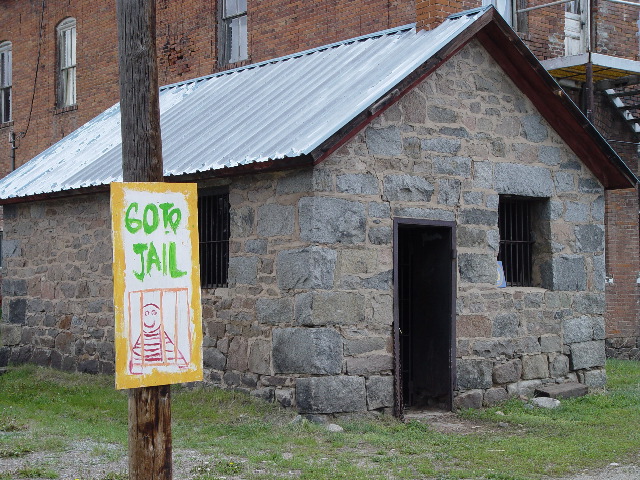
{"type": "Point", "coordinates": [158, 334]}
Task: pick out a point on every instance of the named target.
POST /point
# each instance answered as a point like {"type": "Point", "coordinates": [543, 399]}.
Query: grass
{"type": "Point", "coordinates": [240, 437]}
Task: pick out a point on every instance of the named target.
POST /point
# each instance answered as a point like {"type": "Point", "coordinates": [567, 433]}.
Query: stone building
{"type": "Point", "coordinates": [193, 40]}
{"type": "Point", "coordinates": [362, 194]}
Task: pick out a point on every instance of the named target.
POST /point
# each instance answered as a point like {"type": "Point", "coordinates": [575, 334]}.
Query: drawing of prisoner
{"type": "Point", "coordinates": [154, 321]}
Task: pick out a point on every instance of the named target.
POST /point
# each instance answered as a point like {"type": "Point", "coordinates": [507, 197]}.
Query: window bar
{"type": "Point", "coordinates": [525, 250]}
{"type": "Point", "coordinates": [519, 227]}
{"type": "Point", "coordinates": [514, 252]}
{"type": "Point", "coordinates": [217, 240]}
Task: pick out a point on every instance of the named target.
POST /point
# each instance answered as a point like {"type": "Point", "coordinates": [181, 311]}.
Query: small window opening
{"type": "Point", "coordinates": [516, 240]}
{"type": "Point", "coordinates": [213, 223]}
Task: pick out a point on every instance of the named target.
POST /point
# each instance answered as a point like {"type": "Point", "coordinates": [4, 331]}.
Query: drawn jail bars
{"type": "Point", "coordinates": [159, 330]}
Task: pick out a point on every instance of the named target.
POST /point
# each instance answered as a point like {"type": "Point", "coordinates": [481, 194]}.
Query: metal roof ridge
{"type": "Point", "coordinates": [472, 11]}
{"type": "Point", "coordinates": [380, 33]}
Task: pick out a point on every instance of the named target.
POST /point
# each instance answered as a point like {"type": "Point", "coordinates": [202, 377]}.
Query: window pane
{"type": "Point", "coordinates": [71, 86]}
{"type": "Point", "coordinates": [228, 41]}
{"type": "Point", "coordinates": [231, 8]}
{"type": "Point", "coordinates": [243, 51]}
{"type": "Point", "coordinates": [5, 104]}
{"type": "Point", "coordinates": [237, 39]}
{"type": "Point", "coordinates": [9, 68]}
{"type": "Point", "coordinates": [234, 43]}
{"type": "Point", "coordinates": [3, 69]}
{"type": "Point", "coordinates": [67, 62]}
{"type": "Point", "coordinates": [72, 46]}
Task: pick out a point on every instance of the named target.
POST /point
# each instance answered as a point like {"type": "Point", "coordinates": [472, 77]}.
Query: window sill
{"type": "Point", "coordinates": [524, 289]}
{"type": "Point", "coordinates": [70, 108]}
{"type": "Point", "coordinates": [6, 124]}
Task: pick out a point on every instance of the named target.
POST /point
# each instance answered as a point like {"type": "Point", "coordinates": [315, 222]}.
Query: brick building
{"type": "Point", "coordinates": [61, 78]}
{"type": "Point", "coordinates": [198, 37]}
{"type": "Point", "coordinates": [420, 149]}
{"type": "Point", "coordinates": [192, 35]}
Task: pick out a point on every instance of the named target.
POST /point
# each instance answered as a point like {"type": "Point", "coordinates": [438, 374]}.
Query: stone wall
{"type": "Point", "coordinates": [307, 317]}
{"type": "Point", "coordinates": [57, 288]}
{"type": "Point", "coordinates": [315, 311]}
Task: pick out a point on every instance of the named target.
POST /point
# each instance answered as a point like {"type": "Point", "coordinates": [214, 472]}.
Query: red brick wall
{"type": "Point", "coordinates": [187, 48]}
{"type": "Point", "coordinates": [622, 263]}
{"type": "Point", "coordinates": [279, 27]}
{"type": "Point", "coordinates": [96, 69]}
{"type": "Point", "coordinates": [617, 30]}
{"type": "Point", "coordinates": [543, 30]}
{"type": "Point", "coordinates": [430, 13]}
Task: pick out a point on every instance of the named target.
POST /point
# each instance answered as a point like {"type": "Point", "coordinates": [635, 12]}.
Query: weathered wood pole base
{"type": "Point", "coordinates": [150, 433]}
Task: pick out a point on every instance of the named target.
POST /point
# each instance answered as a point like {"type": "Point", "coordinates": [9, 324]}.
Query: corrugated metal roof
{"type": "Point", "coordinates": [281, 108]}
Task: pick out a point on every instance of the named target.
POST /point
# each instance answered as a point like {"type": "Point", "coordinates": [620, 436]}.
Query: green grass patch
{"type": "Point", "coordinates": [36, 472]}
{"type": "Point", "coordinates": [115, 476]}
{"type": "Point", "coordinates": [245, 438]}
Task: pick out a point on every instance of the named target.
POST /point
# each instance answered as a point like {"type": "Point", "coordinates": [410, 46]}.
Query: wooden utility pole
{"type": "Point", "coordinates": [149, 407]}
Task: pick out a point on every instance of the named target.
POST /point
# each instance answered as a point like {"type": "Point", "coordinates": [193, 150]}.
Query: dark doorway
{"type": "Point", "coordinates": [424, 318]}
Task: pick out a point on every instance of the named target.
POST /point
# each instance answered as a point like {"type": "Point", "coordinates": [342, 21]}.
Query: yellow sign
{"type": "Point", "coordinates": [156, 282]}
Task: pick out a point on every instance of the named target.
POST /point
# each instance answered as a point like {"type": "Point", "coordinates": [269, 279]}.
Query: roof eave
{"type": "Point", "coordinates": [246, 169]}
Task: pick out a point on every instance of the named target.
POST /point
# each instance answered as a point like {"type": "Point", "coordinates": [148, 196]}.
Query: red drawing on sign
{"type": "Point", "coordinates": [156, 345]}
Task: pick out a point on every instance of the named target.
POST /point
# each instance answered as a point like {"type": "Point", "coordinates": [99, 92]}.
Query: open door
{"type": "Point", "coordinates": [424, 314]}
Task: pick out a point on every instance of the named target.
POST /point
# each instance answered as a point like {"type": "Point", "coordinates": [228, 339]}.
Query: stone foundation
{"type": "Point", "coordinates": [623, 348]}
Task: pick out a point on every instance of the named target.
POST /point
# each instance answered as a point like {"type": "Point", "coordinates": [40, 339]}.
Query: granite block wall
{"type": "Point", "coordinates": [57, 287]}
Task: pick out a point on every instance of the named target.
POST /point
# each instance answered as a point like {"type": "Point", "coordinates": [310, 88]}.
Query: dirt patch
{"type": "Point", "coordinates": [448, 422]}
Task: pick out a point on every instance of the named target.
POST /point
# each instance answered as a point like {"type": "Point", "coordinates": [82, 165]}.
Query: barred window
{"type": "Point", "coordinates": [67, 62]}
{"type": "Point", "coordinates": [5, 82]}
{"type": "Point", "coordinates": [213, 222]}
{"type": "Point", "coordinates": [234, 36]}
{"type": "Point", "coordinates": [516, 240]}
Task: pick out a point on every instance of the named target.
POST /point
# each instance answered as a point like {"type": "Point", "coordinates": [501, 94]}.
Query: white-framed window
{"type": "Point", "coordinates": [66, 62]}
{"type": "Point", "coordinates": [5, 82]}
{"type": "Point", "coordinates": [234, 36]}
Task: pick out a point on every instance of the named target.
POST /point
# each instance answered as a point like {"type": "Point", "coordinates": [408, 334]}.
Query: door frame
{"type": "Point", "coordinates": [398, 407]}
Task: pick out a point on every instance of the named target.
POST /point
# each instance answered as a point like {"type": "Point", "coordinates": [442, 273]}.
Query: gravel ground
{"type": "Point", "coordinates": [614, 471]}
{"type": "Point", "coordinates": [94, 461]}
{"type": "Point", "coordinates": [89, 460]}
